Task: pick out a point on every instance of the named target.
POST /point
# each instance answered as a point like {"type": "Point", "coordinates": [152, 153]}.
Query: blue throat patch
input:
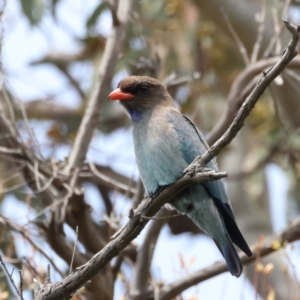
{"type": "Point", "coordinates": [134, 115]}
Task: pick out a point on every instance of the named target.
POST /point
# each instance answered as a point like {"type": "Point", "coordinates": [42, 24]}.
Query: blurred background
{"type": "Point", "coordinates": [209, 54]}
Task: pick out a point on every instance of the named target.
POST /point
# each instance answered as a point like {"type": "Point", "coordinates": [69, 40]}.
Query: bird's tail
{"type": "Point", "coordinates": [231, 257]}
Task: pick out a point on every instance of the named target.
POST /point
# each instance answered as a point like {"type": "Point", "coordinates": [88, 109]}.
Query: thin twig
{"type": "Point", "coordinates": [73, 254]}
{"type": "Point", "coordinates": [12, 260]}
{"type": "Point", "coordinates": [47, 208]}
{"type": "Point", "coordinates": [7, 100]}
{"type": "Point", "coordinates": [273, 42]}
{"type": "Point", "coordinates": [21, 282]}
{"type": "Point", "coordinates": [71, 189]}
{"type": "Point", "coordinates": [12, 188]}
{"type": "Point", "coordinates": [10, 151]}
{"type": "Point", "coordinates": [26, 156]}
{"type": "Point", "coordinates": [285, 10]}
{"type": "Point", "coordinates": [23, 232]}
{"type": "Point", "coordinates": [277, 35]}
{"type": "Point", "coordinates": [48, 279]}
{"type": "Point", "coordinates": [29, 129]}
{"type": "Point", "coordinates": [260, 32]}
{"type": "Point", "coordinates": [2, 28]}
{"type": "Point", "coordinates": [276, 29]}
{"type": "Point", "coordinates": [238, 41]}
{"type": "Point", "coordinates": [12, 174]}
{"type": "Point", "coordinates": [10, 278]}
{"type": "Point", "coordinates": [36, 174]}
{"type": "Point", "coordinates": [110, 180]}
{"type": "Point", "coordinates": [161, 218]}
{"type": "Point", "coordinates": [44, 187]}
{"type": "Point", "coordinates": [72, 80]}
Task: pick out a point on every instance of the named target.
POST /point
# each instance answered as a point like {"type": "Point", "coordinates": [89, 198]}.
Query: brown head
{"type": "Point", "coordinates": [139, 94]}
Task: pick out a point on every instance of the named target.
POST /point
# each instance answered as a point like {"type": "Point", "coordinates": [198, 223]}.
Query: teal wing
{"type": "Point", "coordinates": [193, 144]}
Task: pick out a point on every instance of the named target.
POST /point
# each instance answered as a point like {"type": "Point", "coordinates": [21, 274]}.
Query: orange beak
{"type": "Point", "coordinates": [117, 94]}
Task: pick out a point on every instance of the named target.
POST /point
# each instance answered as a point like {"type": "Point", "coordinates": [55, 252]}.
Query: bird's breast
{"type": "Point", "coordinates": [157, 151]}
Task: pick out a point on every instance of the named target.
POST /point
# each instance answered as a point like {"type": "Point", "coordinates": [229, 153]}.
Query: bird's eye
{"type": "Point", "coordinates": [143, 89]}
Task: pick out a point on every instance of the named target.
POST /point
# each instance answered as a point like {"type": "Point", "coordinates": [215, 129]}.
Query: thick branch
{"type": "Point", "coordinates": [148, 207]}
{"type": "Point", "coordinates": [268, 246]}
{"type": "Point", "coordinates": [90, 119]}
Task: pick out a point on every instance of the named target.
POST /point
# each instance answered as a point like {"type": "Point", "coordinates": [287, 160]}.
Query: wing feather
{"type": "Point", "coordinates": [193, 144]}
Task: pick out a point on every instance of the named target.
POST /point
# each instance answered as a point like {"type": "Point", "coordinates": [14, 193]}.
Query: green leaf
{"type": "Point", "coordinates": [91, 21]}
{"type": "Point", "coordinates": [33, 10]}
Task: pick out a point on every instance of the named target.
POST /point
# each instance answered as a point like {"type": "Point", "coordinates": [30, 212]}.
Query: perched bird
{"type": "Point", "coordinates": [165, 143]}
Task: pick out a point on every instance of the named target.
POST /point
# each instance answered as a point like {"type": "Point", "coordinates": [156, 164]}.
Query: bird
{"type": "Point", "coordinates": [165, 143]}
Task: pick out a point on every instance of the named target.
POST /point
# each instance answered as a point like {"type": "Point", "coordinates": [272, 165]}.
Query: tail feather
{"type": "Point", "coordinates": [232, 259]}
{"type": "Point", "coordinates": [234, 232]}
{"type": "Point", "coordinates": [230, 224]}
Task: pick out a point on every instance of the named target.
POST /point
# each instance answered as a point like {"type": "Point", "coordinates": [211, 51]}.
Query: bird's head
{"type": "Point", "coordinates": [139, 94]}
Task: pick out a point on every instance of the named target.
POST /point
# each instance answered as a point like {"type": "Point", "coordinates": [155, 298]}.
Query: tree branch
{"type": "Point", "coordinates": [23, 232]}
{"type": "Point", "coordinates": [239, 91]}
{"type": "Point", "coordinates": [148, 207]}
{"type": "Point", "coordinates": [269, 245]}
{"type": "Point", "coordinates": [260, 32]}
{"type": "Point", "coordinates": [145, 254]}
{"type": "Point", "coordinates": [19, 293]}
{"type": "Point", "coordinates": [238, 122]}
{"type": "Point", "coordinates": [99, 94]}
{"type": "Point", "coordinates": [236, 38]}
